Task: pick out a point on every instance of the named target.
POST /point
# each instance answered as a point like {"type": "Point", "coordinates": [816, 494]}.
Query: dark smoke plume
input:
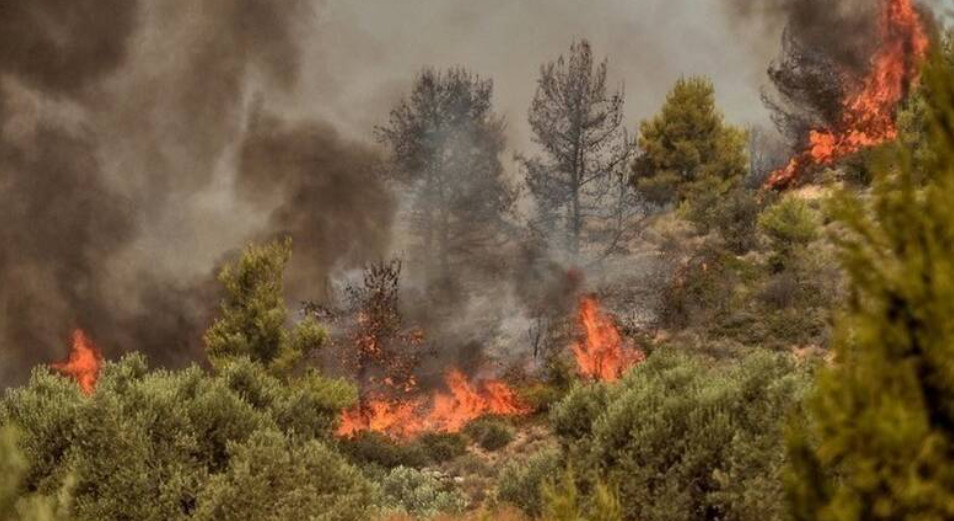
{"type": "Point", "coordinates": [120, 122]}
{"type": "Point", "coordinates": [61, 221]}
{"type": "Point", "coordinates": [826, 50]}
{"type": "Point", "coordinates": [332, 201]}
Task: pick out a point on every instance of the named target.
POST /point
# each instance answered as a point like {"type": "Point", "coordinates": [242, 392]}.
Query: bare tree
{"type": "Point", "coordinates": [582, 192]}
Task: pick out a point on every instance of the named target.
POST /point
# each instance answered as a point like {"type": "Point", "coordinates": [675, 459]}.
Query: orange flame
{"type": "Point", "coordinates": [869, 116]}
{"type": "Point", "coordinates": [602, 354]}
{"type": "Point", "coordinates": [443, 412]}
{"type": "Point", "coordinates": [83, 363]}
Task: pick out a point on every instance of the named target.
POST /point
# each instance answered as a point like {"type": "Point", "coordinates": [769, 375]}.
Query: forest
{"type": "Point", "coordinates": [216, 304]}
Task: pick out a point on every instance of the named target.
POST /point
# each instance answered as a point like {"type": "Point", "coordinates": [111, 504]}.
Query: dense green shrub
{"type": "Point", "coordinates": [682, 440]}
{"type": "Point", "coordinates": [164, 438]}
{"type": "Point", "coordinates": [419, 493]}
{"type": "Point", "coordinates": [490, 433]}
{"type": "Point", "coordinates": [373, 448]}
{"type": "Point", "coordinates": [735, 217]}
{"type": "Point", "coordinates": [15, 503]}
{"type": "Point", "coordinates": [521, 482]}
{"type": "Point", "coordinates": [272, 479]}
{"type": "Point", "coordinates": [442, 446]}
{"type": "Point", "coordinates": [790, 225]}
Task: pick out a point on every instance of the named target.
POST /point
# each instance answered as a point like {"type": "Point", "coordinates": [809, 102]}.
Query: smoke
{"type": "Point", "coordinates": [844, 30]}
{"type": "Point", "coordinates": [60, 218]}
{"type": "Point", "coordinates": [143, 142]}
{"type": "Point", "coordinates": [130, 167]}
{"type": "Point", "coordinates": [332, 201]}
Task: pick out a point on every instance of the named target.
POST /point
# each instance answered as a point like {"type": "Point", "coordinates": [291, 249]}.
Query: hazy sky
{"type": "Point", "coordinates": [360, 56]}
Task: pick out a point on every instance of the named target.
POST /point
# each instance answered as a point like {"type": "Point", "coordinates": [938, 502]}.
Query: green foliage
{"type": "Point", "coordinates": [253, 314]}
{"type": "Point", "coordinates": [420, 493]}
{"type": "Point", "coordinates": [442, 446]}
{"type": "Point", "coordinates": [881, 440]}
{"type": "Point", "coordinates": [490, 433]}
{"type": "Point", "coordinates": [791, 225]}
{"type": "Point", "coordinates": [272, 479]}
{"type": "Point", "coordinates": [687, 154]}
{"type": "Point", "coordinates": [521, 482]}
{"type": "Point", "coordinates": [680, 439]}
{"type": "Point", "coordinates": [735, 217]}
{"type": "Point", "coordinates": [561, 499]}
{"type": "Point", "coordinates": [15, 505]}
{"type": "Point", "coordinates": [376, 449]}
{"type": "Point", "coordinates": [175, 441]}
{"type": "Point", "coordinates": [572, 419]}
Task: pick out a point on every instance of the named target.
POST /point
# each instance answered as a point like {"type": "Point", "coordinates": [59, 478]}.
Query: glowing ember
{"type": "Point", "coordinates": [602, 354]}
{"type": "Point", "coordinates": [83, 363]}
{"type": "Point", "coordinates": [442, 412]}
{"type": "Point", "coordinates": [868, 117]}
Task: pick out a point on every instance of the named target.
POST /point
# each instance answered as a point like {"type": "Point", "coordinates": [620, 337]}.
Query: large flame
{"type": "Point", "coordinates": [450, 411]}
{"type": "Point", "coordinates": [83, 363]}
{"type": "Point", "coordinates": [602, 354]}
{"type": "Point", "coordinates": [869, 116]}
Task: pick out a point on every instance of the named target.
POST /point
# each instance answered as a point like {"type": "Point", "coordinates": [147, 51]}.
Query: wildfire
{"type": "Point", "coordinates": [602, 354]}
{"type": "Point", "coordinates": [448, 411]}
{"type": "Point", "coordinates": [869, 116]}
{"type": "Point", "coordinates": [83, 363]}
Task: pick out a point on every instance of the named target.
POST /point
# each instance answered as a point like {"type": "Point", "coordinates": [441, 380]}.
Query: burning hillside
{"type": "Point", "coordinates": [601, 353]}
{"type": "Point", "coordinates": [868, 115]}
{"type": "Point", "coordinates": [443, 411]}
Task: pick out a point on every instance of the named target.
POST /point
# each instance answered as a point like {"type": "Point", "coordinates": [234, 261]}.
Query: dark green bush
{"type": "Point", "coordinates": [182, 443]}
{"type": "Point", "coordinates": [490, 433]}
{"type": "Point", "coordinates": [442, 446]}
{"type": "Point", "coordinates": [679, 438]}
{"type": "Point", "coordinates": [373, 448]}
{"type": "Point", "coordinates": [521, 482]}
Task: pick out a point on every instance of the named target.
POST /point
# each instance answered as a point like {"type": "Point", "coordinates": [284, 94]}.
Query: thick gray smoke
{"type": "Point", "coordinates": [121, 125]}
{"type": "Point", "coordinates": [142, 142]}
{"type": "Point", "coordinates": [330, 198]}
{"type": "Point", "coordinates": [844, 30]}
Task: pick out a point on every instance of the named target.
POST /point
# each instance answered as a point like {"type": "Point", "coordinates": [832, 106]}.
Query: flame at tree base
{"type": "Point", "coordinates": [83, 364]}
{"type": "Point", "coordinates": [868, 117]}
{"type": "Point", "coordinates": [442, 412]}
{"type": "Point", "coordinates": [602, 354]}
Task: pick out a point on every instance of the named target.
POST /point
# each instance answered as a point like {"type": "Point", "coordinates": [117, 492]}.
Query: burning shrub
{"type": "Point", "coordinates": [490, 433]}
{"type": "Point", "coordinates": [860, 111]}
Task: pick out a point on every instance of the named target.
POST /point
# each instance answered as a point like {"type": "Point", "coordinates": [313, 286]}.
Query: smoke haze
{"type": "Point", "coordinates": [144, 142]}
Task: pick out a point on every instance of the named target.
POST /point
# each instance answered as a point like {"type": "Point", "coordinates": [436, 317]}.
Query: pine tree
{"type": "Point", "coordinates": [579, 183]}
{"type": "Point", "coordinates": [254, 315]}
{"type": "Point", "coordinates": [687, 154]}
{"type": "Point", "coordinates": [880, 443]}
{"type": "Point", "coordinates": [445, 142]}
